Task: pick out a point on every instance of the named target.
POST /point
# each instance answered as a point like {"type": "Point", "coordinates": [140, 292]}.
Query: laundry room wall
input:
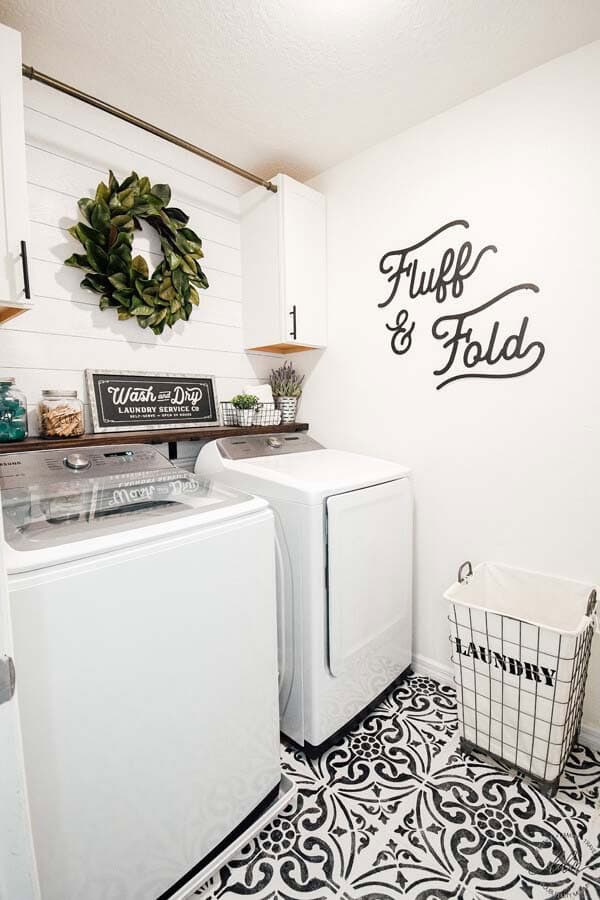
{"type": "Point", "coordinates": [70, 148]}
{"type": "Point", "coordinates": [505, 468]}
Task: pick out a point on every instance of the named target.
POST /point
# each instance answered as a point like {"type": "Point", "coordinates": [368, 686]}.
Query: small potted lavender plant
{"type": "Point", "coordinates": [286, 385]}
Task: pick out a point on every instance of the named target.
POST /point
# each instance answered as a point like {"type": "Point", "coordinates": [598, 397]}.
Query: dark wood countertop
{"type": "Point", "coordinates": [163, 436]}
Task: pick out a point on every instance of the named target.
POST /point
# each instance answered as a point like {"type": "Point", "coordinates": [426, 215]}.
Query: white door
{"type": "Point", "coordinates": [18, 874]}
{"type": "Point", "coordinates": [13, 184]}
{"type": "Point", "coordinates": [369, 553]}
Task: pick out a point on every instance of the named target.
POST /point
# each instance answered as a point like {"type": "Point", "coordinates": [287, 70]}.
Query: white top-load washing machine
{"type": "Point", "coordinates": [142, 601]}
{"type": "Point", "coordinates": [344, 539]}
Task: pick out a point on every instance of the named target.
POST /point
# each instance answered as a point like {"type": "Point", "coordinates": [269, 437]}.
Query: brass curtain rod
{"type": "Point", "coordinates": [35, 75]}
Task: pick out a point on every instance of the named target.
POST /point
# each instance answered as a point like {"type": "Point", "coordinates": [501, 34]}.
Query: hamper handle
{"type": "Point", "coordinates": [465, 578]}
{"type": "Point", "coordinates": [591, 602]}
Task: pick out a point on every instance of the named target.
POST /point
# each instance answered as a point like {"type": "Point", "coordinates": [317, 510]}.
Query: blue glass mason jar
{"type": "Point", "coordinates": [13, 411]}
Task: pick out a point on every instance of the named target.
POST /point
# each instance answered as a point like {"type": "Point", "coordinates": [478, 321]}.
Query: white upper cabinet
{"type": "Point", "coordinates": [284, 268]}
{"type": "Point", "coordinates": [14, 280]}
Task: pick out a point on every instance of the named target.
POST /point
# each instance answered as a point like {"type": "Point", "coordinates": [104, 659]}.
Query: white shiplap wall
{"type": "Point", "coordinates": [70, 148]}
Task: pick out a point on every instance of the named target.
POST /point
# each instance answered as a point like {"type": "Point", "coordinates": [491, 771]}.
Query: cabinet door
{"type": "Point", "coordinates": [304, 261]}
{"type": "Point", "coordinates": [13, 185]}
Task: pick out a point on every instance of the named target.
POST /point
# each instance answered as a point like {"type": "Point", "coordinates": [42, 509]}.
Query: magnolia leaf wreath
{"type": "Point", "coordinates": [124, 282]}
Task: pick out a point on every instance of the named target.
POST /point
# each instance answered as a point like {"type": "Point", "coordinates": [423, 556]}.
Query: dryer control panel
{"type": "Point", "coordinates": [256, 445]}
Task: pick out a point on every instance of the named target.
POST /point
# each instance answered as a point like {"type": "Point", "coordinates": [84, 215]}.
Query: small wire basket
{"type": "Point", "coordinates": [265, 414]}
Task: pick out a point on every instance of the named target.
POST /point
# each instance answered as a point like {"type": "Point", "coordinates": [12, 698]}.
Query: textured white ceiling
{"type": "Point", "coordinates": [293, 85]}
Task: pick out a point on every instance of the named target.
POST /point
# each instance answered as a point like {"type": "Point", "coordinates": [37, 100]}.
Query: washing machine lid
{"type": "Point", "coordinates": [49, 503]}
{"type": "Point", "coordinates": [309, 473]}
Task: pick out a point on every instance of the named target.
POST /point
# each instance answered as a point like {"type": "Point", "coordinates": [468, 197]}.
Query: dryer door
{"type": "Point", "coordinates": [369, 555]}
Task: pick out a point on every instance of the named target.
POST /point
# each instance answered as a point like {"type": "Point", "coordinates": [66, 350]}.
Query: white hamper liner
{"type": "Point", "coordinates": [521, 645]}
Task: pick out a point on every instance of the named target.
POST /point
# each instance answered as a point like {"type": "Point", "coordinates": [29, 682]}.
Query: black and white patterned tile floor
{"type": "Point", "coordinates": [394, 810]}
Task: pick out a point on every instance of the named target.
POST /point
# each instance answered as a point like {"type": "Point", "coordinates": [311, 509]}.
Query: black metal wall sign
{"type": "Point", "coordinates": [142, 401]}
{"type": "Point", "coordinates": [472, 349]}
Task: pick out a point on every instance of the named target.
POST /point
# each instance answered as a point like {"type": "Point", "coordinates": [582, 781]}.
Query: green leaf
{"type": "Point", "coordinates": [177, 215]}
{"type": "Point", "coordinates": [123, 222]}
{"type": "Point", "coordinates": [173, 259]}
{"type": "Point", "coordinates": [127, 198]}
{"type": "Point", "coordinates": [97, 283]}
{"type": "Point", "coordinates": [78, 260]}
{"type": "Point", "coordinates": [83, 233]}
{"type": "Point", "coordinates": [119, 281]}
{"type": "Point", "coordinates": [123, 314]}
{"type": "Point", "coordinates": [139, 265]}
{"type": "Point", "coordinates": [144, 185]}
{"type": "Point", "coordinates": [180, 280]}
{"type": "Point", "coordinates": [102, 193]}
{"type": "Point", "coordinates": [105, 303]}
{"type": "Point", "coordinates": [190, 235]}
{"type": "Point", "coordinates": [118, 265]}
{"type": "Point", "coordinates": [194, 296]}
{"type": "Point", "coordinates": [144, 210]}
{"type": "Point", "coordinates": [163, 192]}
{"type": "Point", "coordinates": [113, 236]}
{"type": "Point", "coordinates": [85, 207]}
{"type": "Point", "coordinates": [201, 280]}
{"type": "Point", "coordinates": [100, 216]}
{"type": "Point", "coordinates": [188, 264]}
{"type": "Point", "coordinates": [149, 297]}
{"type": "Point", "coordinates": [97, 257]}
{"type": "Point", "coordinates": [113, 184]}
{"type": "Point", "coordinates": [129, 181]}
{"type": "Point", "coordinates": [188, 248]}
{"type": "Point", "coordinates": [124, 298]}
{"type": "Point", "coordinates": [142, 311]}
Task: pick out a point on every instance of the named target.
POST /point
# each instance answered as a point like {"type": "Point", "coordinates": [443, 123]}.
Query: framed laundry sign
{"type": "Point", "coordinates": [148, 401]}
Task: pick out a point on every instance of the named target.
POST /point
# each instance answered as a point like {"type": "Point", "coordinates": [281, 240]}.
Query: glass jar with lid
{"type": "Point", "coordinates": [13, 411]}
{"type": "Point", "coordinates": [60, 414]}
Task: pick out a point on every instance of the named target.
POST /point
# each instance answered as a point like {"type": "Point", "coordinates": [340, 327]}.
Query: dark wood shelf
{"type": "Point", "coordinates": [164, 436]}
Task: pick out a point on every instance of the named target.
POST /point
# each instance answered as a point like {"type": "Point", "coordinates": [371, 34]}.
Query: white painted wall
{"type": "Point", "coordinates": [507, 470]}
{"type": "Point", "coordinates": [70, 148]}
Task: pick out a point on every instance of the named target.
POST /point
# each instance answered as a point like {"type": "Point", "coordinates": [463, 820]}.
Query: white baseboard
{"type": "Point", "coordinates": [589, 735]}
{"type": "Point", "coordinates": [423, 665]}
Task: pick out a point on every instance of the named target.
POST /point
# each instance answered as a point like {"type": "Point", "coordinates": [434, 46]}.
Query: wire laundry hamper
{"type": "Point", "coordinates": [521, 645]}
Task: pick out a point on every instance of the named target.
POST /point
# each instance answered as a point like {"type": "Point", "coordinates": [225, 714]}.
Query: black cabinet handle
{"type": "Point", "coordinates": [26, 285]}
{"type": "Point", "coordinates": [293, 315]}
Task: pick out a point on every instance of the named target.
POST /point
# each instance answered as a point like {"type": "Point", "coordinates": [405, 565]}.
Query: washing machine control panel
{"type": "Point", "coordinates": [256, 445]}
{"type": "Point", "coordinates": [26, 468]}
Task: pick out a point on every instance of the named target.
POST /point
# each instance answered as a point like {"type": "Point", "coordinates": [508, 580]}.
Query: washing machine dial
{"type": "Point", "coordinates": [77, 462]}
{"type": "Point", "coordinates": [274, 443]}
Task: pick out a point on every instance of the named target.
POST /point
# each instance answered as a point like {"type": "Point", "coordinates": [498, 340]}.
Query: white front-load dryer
{"type": "Point", "coordinates": [344, 536]}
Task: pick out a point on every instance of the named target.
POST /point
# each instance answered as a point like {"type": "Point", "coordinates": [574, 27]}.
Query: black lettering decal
{"type": "Point", "coordinates": [402, 337]}
{"type": "Point", "coordinates": [548, 675]}
{"type": "Point", "coordinates": [472, 350]}
{"type": "Point", "coordinates": [532, 672]}
{"type": "Point", "coordinates": [499, 661]}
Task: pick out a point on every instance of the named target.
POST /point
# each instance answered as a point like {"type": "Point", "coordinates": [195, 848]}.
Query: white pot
{"type": "Point", "coordinates": [288, 407]}
{"type": "Point", "coordinates": [245, 417]}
